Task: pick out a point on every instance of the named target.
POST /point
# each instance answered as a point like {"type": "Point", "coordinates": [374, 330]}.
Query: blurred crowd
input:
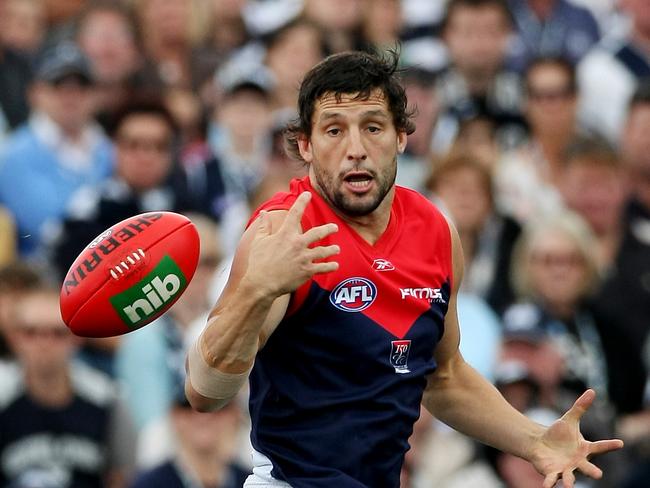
{"type": "Point", "coordinates": [533, 136]}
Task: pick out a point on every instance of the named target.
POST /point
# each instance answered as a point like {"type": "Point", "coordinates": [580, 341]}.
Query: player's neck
{"type": "Point", "coordinates": [372, 226]}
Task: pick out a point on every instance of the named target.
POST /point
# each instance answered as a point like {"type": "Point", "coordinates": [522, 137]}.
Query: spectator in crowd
{"type": "Point", "coordinates": [23, 26]}
{"type": "Point", "coordinates": [624, 298]}
{"type": "Point", "coordinates": [612, 71]}
{"type": "Point", "coordinates": [204, 454]}
{"type": "Point", "coordinates": [340, 21]}
{"type": "Point", "coordinates": [60, 149]}
{"type": "Point", "coordinates": [476, 137]}
{"type": "Point", "coordinates": [107, 34]}
{"type": "Point", "coordinates": [550, 28]}
{"type": "Point", "coordinates": [535, 375]}
{"type": "Point", "coordinates": [593, 185]}
{"type": "Point", "coordinates": [15, 76]}
{"type": "Point", "coordinates": [527, 177]}
{"type": "Point", "coordinates": [291, 51]}
{"type": "Point", "coordinates": [16, 278]}
{"type": "Point", "coordinates": [61, 422]}
{"type": "Point", "coordinates": [144, 180]}
{"type": "Point", "coordinates": [476, 82]}
{"type": "Point", "coordinates": [381, 23]}
{"type": "Point", "coordinates": [228, 31]}
{"type": "Point", "coordinates": [554, 273]}
{"type": "Point", "coordinates": [414, 164]}
{"type": "Point", "coordinates": [464, 188]}
{"type": "Point", "coordinates": [239, 135]}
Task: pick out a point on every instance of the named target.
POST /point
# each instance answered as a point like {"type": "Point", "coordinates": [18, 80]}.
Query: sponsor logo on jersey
{"type": "Point", "coordinates": [382, 265]}
{"type": "Point", "coordinates": [399, 356]}
{"type": "Point", "coordinates": [353, 294]}
{"type": "Point", "coordinates": [432, 295]}
{"type": "Point", "coordinates": [150, 294]}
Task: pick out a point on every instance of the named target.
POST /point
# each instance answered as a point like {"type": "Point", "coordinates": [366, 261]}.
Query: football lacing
{"type": "Point", "coordinates": [123, 268]}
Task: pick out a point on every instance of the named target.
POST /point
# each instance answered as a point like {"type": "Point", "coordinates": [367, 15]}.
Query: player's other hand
{"type": "Point", "coordinates": [281, 259]}
{"type": "Point", "coordinates": [562, 449]}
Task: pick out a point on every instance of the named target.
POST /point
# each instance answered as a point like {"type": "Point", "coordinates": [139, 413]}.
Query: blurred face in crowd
{"type": "Point", "coordinates": [293, 54]}
{"type": "Point", "coordinates": [477, 39]}
{"type": "Point", "coordinates": [143, 145]}
{"type": "Point", "coordinates": [107, 38]}
{"type": "Point", "coordinates": [22, 24]}
{"type": "Point", "coordinates": [37, 334]}
{"type": "Point", "coordinates": [382, 20]}
{"type": "Point", "coordinates": [596, 191]}
{"type": "Point", "coordinates": [69, 102]}
{"type": "Point", "coordinates": [464, 193]}
{"type": "Point", "coordinates": [636, 151]}
{"type": "Point", "coordinates": [424, 97]}
{"type": "Point", "coordinates": [551, 101]}
{"type": "Point", "coordinates": [246, 114]}
{"type": "Point", "coordinates": [334, 15]}
{"type": "Point", "coordinates": [212, 433]}
{"type": "Point", "coordinates": [558, 269]}
{"type": "Point", "coordinates": [168, 20]}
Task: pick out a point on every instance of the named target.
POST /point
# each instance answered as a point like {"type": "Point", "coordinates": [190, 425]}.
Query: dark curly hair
{"type": "Point", "coordinates": [354, 72]}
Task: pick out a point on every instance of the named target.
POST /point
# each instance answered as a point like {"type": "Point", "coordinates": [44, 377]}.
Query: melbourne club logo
{"type": "Point", "coordinates": [382, 265]}
{"type": "Point", "coordinates": [353, 294]}
{"type": "Point", "coordinates": [399, 356]}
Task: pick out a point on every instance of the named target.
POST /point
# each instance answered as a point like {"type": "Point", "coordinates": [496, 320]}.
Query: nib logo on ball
{"type": "Point", "coordinates": [151, 294]}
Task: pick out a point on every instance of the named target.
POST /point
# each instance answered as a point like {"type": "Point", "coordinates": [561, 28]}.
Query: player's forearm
{"type": "Point", "coordinates": [231, 338]}
{"type": "Point", "coordinates": [463, 399]}
{"type": "Point", "coordinates": [219, 362]}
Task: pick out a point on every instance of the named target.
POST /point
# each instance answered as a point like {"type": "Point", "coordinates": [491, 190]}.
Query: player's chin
{"type": "Point", "coordinates": [360, 205]}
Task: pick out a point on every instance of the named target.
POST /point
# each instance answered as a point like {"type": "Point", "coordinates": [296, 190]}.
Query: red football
{"type": "Point", "coordinates": [130, 274]}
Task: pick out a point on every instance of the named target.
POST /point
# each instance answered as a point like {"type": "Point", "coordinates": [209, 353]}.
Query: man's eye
{"type": "Point", "coordinates": [334, 132]}
{"type": "Point", "coordinates": [373, 129]}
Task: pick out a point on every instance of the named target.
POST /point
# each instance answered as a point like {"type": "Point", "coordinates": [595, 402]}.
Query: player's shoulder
{"type": "Point", "coordinates": [415, 205]}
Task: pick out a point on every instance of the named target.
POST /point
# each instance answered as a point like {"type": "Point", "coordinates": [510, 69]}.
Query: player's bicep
{"type": "Point", "coordinates": [447, 350]}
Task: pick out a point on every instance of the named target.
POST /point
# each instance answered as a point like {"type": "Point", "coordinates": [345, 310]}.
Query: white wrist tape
{"type": "Point", "coordinates": [210, 382]}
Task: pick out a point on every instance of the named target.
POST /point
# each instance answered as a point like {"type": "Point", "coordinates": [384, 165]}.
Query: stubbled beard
{"type": "Point", "coordinates": [348, 204]}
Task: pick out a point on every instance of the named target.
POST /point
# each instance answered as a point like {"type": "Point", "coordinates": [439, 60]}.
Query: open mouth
{"type": "Point", "coordinates": [358, 181]}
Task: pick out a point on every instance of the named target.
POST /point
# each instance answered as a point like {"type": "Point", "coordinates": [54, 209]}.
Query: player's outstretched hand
{"type": "Point", "coordinates": [281, 260]}
{"type": "Point", "coordinates": [562, 449]}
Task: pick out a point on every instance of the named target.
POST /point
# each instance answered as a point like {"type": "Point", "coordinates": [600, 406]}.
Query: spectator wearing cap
{"type": "Point", "coordinates": [240, 142]}
{"type": "Point", "coordinates": [57, 151]}
{"type": "Point", "coordinates": [536, 374]}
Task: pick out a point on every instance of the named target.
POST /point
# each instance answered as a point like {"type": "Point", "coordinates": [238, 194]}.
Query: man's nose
{"type": "Point", "coordinates": [356, 149]}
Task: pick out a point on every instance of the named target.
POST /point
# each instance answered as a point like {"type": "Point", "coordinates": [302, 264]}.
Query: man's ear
{"type": "Point", "coordinates": [304, 146]}
{"type": "Point", "coordinates": [401, 142]}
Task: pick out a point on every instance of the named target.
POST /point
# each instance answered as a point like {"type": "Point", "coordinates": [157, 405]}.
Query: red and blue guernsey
{"type": "Point", "coordinates": [336, 389]}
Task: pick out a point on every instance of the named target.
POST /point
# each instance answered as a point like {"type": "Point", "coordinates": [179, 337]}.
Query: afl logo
{"type": "Point", "coordinates": [353, 294]}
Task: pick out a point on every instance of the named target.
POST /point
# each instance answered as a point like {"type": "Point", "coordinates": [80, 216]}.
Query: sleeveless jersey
{"type": "Point", "coordinates": [337, 387]}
